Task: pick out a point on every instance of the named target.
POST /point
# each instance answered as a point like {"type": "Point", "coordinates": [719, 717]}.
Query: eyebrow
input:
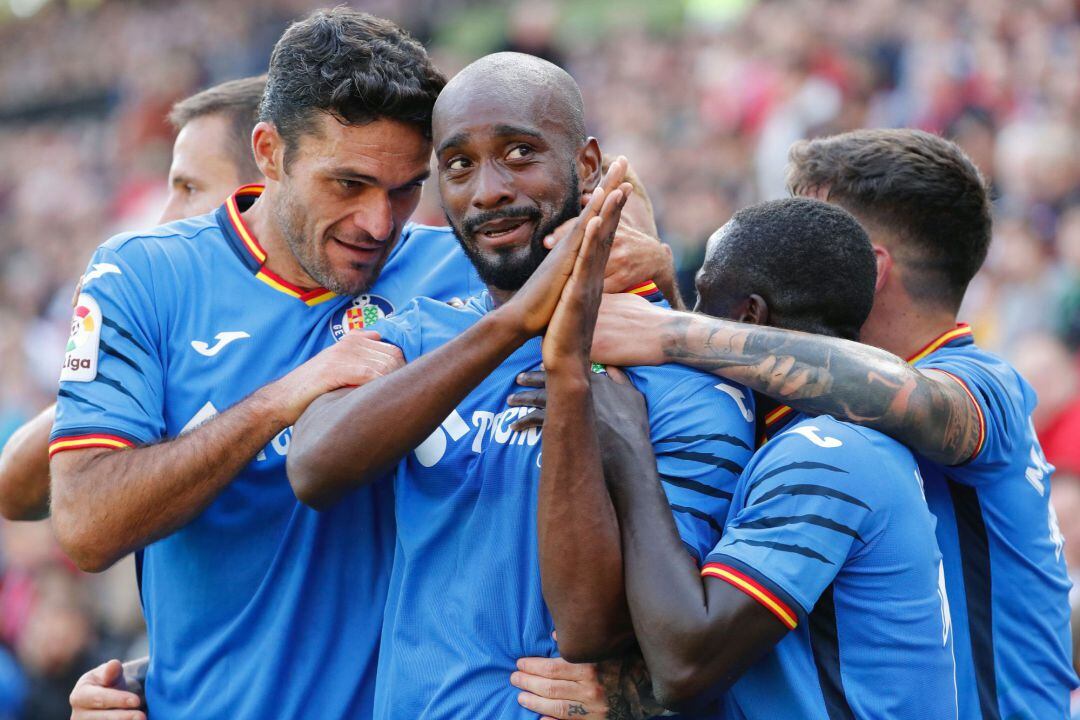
{"type": "Point", "coordinates": [501, 130]}
{"type": "Point", "coordinates": [348, 174]}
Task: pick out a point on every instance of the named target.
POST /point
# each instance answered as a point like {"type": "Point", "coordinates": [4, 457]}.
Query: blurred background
{"type": "Point", "coordinates": [703, 96]}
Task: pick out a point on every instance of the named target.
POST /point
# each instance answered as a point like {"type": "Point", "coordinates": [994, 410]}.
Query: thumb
{"type": "Point", "coordinates": [108, 674]}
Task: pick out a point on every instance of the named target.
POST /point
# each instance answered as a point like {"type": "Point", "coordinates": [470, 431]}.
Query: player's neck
{"type": "Point", "coordinates": [904, 328]}
{"type": "Point", "coordinates": [279, 256]}
{"type": "Point", "coordinates": [498, 297]}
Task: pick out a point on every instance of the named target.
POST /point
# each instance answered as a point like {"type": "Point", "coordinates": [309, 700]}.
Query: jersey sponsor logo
{"type": "Point", "coordinates": [223, 339]}
{"type": "Point", "coordinates": [363, 312]}
{"type": "Point", "coordinates": [490, 427]}
{"type": "Point", "coordinates": [98, 270]}
{"type": "Point", "coordinates": [206, 412]}
{"type": "Point", "coordinates": [81, 354]}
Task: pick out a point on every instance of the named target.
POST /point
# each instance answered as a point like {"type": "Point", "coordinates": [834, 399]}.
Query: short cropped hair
{"type": "Point", "coordinates": [238, 102]}
{"type": "Point", "coordinates": [356, 67]}
{"type": "Point", "coordinates": [920, 188]}
{"type": "Point", "coordinates": [810, 261]}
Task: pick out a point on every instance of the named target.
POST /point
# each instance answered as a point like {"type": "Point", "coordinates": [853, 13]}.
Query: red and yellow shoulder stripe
{"type": "Point", "coordinates": [645, 288]}
{"type": "Point", "coordinates": [959, 331]}
{"type": "Point", "coordinates": [308, 297]}
{"type": "Point", "coordinates": [96, 440]}
{"type": "Point", "coordinates": [755, 590]}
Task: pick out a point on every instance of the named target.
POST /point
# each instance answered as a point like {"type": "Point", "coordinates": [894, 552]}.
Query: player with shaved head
{"type": "Point", "coordinates": [473, 499]}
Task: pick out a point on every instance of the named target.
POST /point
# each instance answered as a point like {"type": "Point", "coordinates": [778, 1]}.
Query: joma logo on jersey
{"type": "Point", "coordinates": [364, 311]}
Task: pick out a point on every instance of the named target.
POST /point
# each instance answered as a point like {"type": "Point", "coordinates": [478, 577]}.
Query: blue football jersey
{"type": "Point", "coordinates": [830, 532]}
{"type": "Point", "coordinates": [1003, 551]}
{"type": "Point", "coordinates": [260, 607]}
{"type": "Point", "coordinates": [465, 599]}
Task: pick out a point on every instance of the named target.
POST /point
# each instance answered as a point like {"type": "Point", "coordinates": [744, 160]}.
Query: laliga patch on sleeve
{"type": "Point", "coordinates": [81, 356]}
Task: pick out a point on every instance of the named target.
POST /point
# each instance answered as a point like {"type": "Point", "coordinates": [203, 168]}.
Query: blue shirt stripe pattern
{"type": "Point", "coordinates": [829, 531]}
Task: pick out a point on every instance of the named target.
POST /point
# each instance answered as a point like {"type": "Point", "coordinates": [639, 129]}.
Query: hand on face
{"type": "Point", "coordinates": [569, 333]}
{"type": "Point", "coordinates": [534, 304]}
{"type": "Point", "coordinates": [637, 255]}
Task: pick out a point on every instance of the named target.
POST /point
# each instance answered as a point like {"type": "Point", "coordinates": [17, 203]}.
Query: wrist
{"type": "Point", "coordinates": [281, 402]}
{"type": "Point", "coordinates": [506, 325]}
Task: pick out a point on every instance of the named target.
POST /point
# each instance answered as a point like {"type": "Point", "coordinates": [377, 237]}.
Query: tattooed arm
{"type": "Point", "coordinates": [930, 412]}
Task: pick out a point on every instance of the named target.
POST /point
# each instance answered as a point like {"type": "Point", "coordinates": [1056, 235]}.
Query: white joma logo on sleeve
{"type": "Point", "coordinates": [223, 339]}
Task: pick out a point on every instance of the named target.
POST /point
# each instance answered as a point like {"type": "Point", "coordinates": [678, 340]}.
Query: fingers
{"type": "Point", "coordinates": [95, 697]}
{"type": "Point", "coordinates": [535, 419]}
{"type": "Point", "coordinates": [106, 674]}
{"type": "Point", "coordinates": [617, 375]}
{"type": "Point", "coordinates": [528, 398]}
{"type": "Point", "coordinates": [108, 715]}
{"type": "Point", "coordinates": [562, 709]}
{"type": "Point", "coordinates": [533, 378]}
{"type": "Point", "coordinates": [545, 687]}
{"type": "Point", "coordinates": [556, 668]}
{"type": "Point", "coordinates": [560, 233]}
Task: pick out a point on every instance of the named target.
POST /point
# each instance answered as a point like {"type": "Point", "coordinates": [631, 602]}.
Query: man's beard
{"type": "Point", "coordinates": [307, 252]}
{"type": "Point", "coordinates": [509, 270]}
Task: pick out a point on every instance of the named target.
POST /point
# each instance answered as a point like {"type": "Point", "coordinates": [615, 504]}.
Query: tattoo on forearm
{"type": "Point", "coordinates": [628, 688]}
{"type": "Point", "coordinates": [824, 375]}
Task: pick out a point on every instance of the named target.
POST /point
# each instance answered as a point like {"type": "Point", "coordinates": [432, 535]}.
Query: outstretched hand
{"type": "Point", "coordinates": [534, 304]}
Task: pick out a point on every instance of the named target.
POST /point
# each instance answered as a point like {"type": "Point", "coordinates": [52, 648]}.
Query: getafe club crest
{"type": "Point", "coordinates": [364, 311]}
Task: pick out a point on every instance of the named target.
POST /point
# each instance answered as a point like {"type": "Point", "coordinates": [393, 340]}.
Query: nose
{"type": "Point", "coordinates": [493, 188]}
{"type": "Point", "coordinates": [376, 216]}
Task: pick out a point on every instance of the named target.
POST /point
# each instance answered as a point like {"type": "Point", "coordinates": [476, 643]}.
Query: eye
{"type": "Point", "coordinates": [520, 152]}
{"type": "Point", "coordinates": [349, 184]}
{"type": "Point", "coordinates": [458, 163]}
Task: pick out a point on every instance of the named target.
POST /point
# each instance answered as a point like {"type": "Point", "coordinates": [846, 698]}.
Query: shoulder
{"type": "Point", "coordinates": [844, 447]}
{"type": "Point", "coordinates": [983, 372]}
{"type": "Point", "coordinates": [426, 323]}
{"type": "Point", "coordinates": [175, 240]}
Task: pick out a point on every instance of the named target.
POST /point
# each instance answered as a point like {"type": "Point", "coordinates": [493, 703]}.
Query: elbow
{"type": "Point", "coordinates": [310, 482]}
{"type": "Point", "coordinates": [14, 505]}
{"type": "Point", "coordinates": [88, 552]}
{"type": "Point", "coordinates": [677, 688]}
{"type": "Point", "coordinates": [78, 533]}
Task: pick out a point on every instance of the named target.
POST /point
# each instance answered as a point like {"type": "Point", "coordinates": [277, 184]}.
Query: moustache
{"type": "Point", "coordinates": [470, 225]}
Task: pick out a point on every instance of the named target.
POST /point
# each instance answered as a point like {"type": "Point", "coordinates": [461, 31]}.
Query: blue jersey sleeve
{"type": "Point", "coordinates": [803, 506]}
{"type": "Point", "coordinates": [999, 395]}
{"type": "Point", "coordinates": [702, 432]}
{"type": "Point", "coordinates": [112, 383]}
{"type": "Point", "coordinates": [403, 329]}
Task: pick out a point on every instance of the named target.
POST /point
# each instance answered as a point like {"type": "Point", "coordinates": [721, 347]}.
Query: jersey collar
{"type": "Point", "coordinates": [957, 337]}
{"type": "Point", "coordinates": [251, 253]}
{"type": "Point", "coordinates": [776, 421]}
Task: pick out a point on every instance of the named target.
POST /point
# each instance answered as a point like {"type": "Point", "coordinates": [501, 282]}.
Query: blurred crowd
{"type": "Point", "coordinates": [704, 97]}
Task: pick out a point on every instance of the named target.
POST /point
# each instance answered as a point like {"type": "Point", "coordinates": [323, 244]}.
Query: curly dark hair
{"type": "Point", "coordinates": [356, 67]}
{"type": "Point", "coordinates": [811, 261]}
